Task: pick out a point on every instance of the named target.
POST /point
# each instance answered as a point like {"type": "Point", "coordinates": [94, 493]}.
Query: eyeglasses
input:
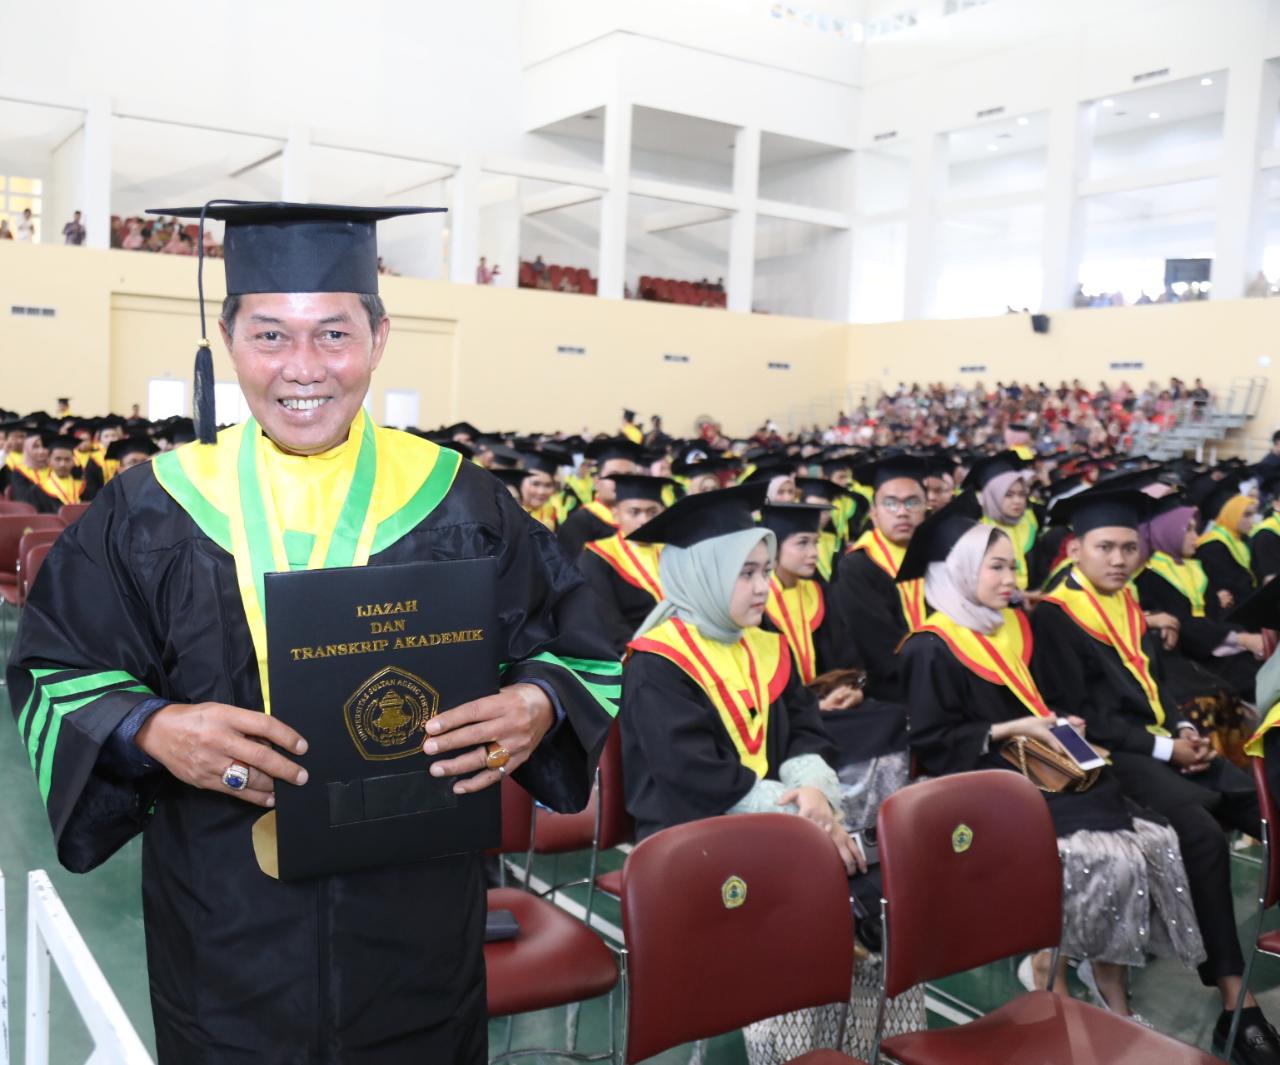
{"type": "Point", "coordinates": [895, 505]}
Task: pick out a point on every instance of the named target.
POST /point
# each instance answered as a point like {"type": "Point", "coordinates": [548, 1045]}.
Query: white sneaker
{"type": "Point", "coordinates": [1085, 971]}
{"type": "Point", "coordinates": [1027, 974]}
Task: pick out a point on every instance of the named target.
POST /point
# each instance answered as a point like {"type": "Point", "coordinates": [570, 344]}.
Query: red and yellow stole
{"type": "Point", "coordinates": [602, 512]}
{"type": "Point", "coordinates": [797, 612]}
{"type": "Point", "coordinates": [548, 514]}
{"type": "Point", "coordinates": [1003, 658]}
{"type": "Point", "coordinates": [64, 489]}
{"type": "Point", "coordinates": [888, 556]}
{"type": "Point", "coordinates": [1117, 621]}
{"type": "Point", "coordinates": [637, 564]}
{"type": "Point", "coordinates": [741, 679]}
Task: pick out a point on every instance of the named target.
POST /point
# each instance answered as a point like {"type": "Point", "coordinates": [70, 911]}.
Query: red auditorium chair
{"type": "Point", "coordinates": [589, 286]}
{"type": "Point", "coordinates": [730, 920]}
{"type": "Point", "coordinates": [10, 506]}
{"type": "Point", "coordinates": [1268, 888]}
{"type": "Point", "coordinates": [12, 529]}
{"type": "Point", "coordinates": [70, 512]}
{"type": "Point", "coordinates": [32, 560]}
{"type": "Point", "coordinates": [555, 960]}
{"type": "Point", "coordinates": [527, 277]}
{"type": "Point", "coordinates": [971, 875]}
{"type": "Point", "coordinates": [554, 274]}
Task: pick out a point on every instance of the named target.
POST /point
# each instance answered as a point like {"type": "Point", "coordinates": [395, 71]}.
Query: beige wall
{"type": "Point", "coordinates": [489, 355]}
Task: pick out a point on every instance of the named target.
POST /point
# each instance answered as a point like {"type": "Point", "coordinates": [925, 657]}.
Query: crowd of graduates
{"type": "Point", "coordinates": [807, 623]}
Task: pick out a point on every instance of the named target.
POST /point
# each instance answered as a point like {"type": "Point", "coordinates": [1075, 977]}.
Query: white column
{"type": "Point", "coordinates": [928, 181]}
{"type": "Point", "coordinates": [1071, 127]}
{"type": "Point", "coordinates": [295, 171]}
{"type": "Point", "coordinates": [613, 205]}
{"type": "Point", "coordinates": [464, 222]}
{"type": "Point", "coordinates": [1253, 91]}
{"type": "Point", "coordinates": [740, 283]}
{"type": "Point", "coordinates": [95, 171]}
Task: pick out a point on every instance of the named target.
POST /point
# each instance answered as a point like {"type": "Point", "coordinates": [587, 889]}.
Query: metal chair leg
{"type": "Point", "coordinates": [1264, 888]}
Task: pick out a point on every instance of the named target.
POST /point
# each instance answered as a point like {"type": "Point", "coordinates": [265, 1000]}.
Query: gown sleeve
{"type": "Point", "coordinates": [1197, 637]}
{"type": "Point", "coordinates": [946, 735]}
{"type": "Point", "coordinates": [83, 659]}
{"type": "Point", "coordinates": [1224, 572]}
{"type": "Point", "coordinates": [1266, 555]}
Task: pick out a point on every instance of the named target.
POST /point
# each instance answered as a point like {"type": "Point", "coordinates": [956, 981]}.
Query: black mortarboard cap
{"type": "Point", "coordinates": [767, 469]}
{"type": "Point", "coordinates": [1212, 493]}
{"type": "Point", "coordinates": [511, 477]}
{"type": "Point", "coordinates": [986, 469]}
{"type": "Point", "coordinates": [130, 445]}
{"type": "Point", "coordinates": [546, 460]}
{"type": "Point", "coordinates": [880, 471]}
{"type": "Point", "coordinates": [788, 519]}
{"type": "Point", "coordinates": [59, 440]}
{"type": "Point", "coordinates": [701, 517]}
{"type": "Point", "coordinates": [715, 464]}
{"type": "Point", "coordinates": [639, 486]}
{"type": "Point", "coordinates": [284, 247]}
{"type": "Point", "coordinates": [1261, 610]}
{"type": "Point", "coordinates": [464, 428]}
{"type": "Point", "coordinates": [1097, 509]}
{"type": "Point", "coordinates": [937, 535]}
{"type": "Point", "coordinates": [821, 488]}
{"type": "Point", "coordinates": [613, 447]}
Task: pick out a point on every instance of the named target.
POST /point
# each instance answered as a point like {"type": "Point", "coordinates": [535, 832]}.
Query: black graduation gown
{"type": "Point", "coordinates": [579, 529]}
{"type": "Point", "coordinates": [1224, 572]}
{"type": "Point", "coordinates": [621, 606]}
{"type": "Point", "coordinates": [1265, 554]}
{"type": "Point", "coordinates": [1197, 639]}
{"type": "Point", "coordinates": [25, 490]}
{"type": "Point", "coordinates": [950, 711]}
{"type": "Point", "coordinates": [869, 619]}
{"type": "Point", "coordinates": [1044, 553]}
{"type": "Point", "coordinates": [381, 966]}
{"type": "Point", "coordinates": [678, 762]}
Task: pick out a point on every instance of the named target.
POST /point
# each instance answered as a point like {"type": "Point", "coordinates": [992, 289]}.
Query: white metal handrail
{"type": "Point", "coordinates": [53, 936]}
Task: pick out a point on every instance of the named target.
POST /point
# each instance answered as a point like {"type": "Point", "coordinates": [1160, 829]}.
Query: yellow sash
{"type": "Point", "coordinates": [797, 612]}
{"type": "Point", "coordinates": [1117, 621]}
{"type": "Point", "coordinates": [64, 489]}
{"type": "Point", "coordinates": [635, 563]}
{"type": "Point", "coordinates": [1023, 536]}
{"type": "Point", "coordinates": [1189, 578]}
{"type": "Point", "coordinates": [602, 512]}
{"type": "Point", "coordinates": [1002, 658]}
{"type": "Point", "coordinates": [1216, 534]}
{"type": "Point", "coordinates": [632, 433]}
{"type": "Point", "coordinates": [1254, 745]}
{"type": "Point", "coordinates": [548, 514]}
{"type": "Point", "coordinates": [741, 679]}
{"type": "Point", "coordinates": [828, 548]}
{"type": "Point", "coordinates": [1271, 524]}
{"type": "Point", "coordinates": [888, 556]}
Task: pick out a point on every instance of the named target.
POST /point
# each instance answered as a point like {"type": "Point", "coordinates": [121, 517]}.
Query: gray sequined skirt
{"type": "Point", "coordinates": [1125, 896]}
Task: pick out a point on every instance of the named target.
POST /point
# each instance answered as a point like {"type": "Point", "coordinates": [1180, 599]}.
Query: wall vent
{"type": "Point", "coordinates": [990, 112]}
{"type": "Point", "coordinates": [974, 369]}
{"type": "Point", "coordinates": [33, 312]}
{"type": "Point", "coordinates": [1127, 365]}
{"type": "Point", "coordinates": [1151, 75]}
{"type": "Point", "coordinates": [779, 365]}
{"type": "Point", "coordinates": [668, 357]}
{"type": "Point", "coordinates": [569, 349]}
{"type": "Point", "coordinates": [888, 135]}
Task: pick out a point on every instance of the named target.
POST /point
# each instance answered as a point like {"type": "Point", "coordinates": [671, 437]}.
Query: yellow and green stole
{"type": "Point", "coordinates": [1003, 658]}
{"type": "Point", "coordinates": [1189, 578]}
{"type": "Point", "coordinates": [1271, 524]}
{"type": "Point", "coordinates": [1023, 536]}
{"type": "Point", "coordinates": [741, 679]}
{"type": "Point", "coordinates": [635, 563]}
{"type": "Point", "coordinates": [888, 556]}
{"type": "Point", "coordinates": [1254, 745]}
{"type": "Point", "coordinates": [797, 612]}
{"type": "Point", "coordinates": [1217, 534]}
{"type": "Point", "coordinates": [389, 482]}
{"type": "Point", "coordinates": [828, 549]}
{"type": "Point", "coordinates": [1117, 621]}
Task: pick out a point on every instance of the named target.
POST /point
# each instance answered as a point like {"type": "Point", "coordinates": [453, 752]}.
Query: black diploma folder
{"type": "Point", "coordinates": [359, 659]}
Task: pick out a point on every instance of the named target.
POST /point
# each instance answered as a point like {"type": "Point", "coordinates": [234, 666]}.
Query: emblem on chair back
{"type": "Point", "coordinates": [961, 838]}
{"type": "Point", "coordinates": [733, 892]}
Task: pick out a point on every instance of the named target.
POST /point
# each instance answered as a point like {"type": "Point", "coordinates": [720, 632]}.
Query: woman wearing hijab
{"type": "Point", "coordinates": [970, 690]}
{"type": "Point", "coordinates": [1223, 548]}
{"type": "Point", "coordinates": [1002, 484]}
{"type": "Point", "coordinates": [715, 719]}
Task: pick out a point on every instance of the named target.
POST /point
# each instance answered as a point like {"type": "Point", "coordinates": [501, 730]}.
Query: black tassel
{"type": "Point", "coordinates": [206, 423]}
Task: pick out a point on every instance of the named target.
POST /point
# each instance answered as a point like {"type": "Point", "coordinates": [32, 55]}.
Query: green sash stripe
{"type": "Point", "coordinates": [424, 501]}
{"type": "Point", "coordinates": [298, 547]}
{"type": "Point", "coordinates": [346, 533]}
{"type": "Point", "coordinates": [174, 480]}
{"type": "Point", "coordinates": [607, 695]}
{"type": "Point", "coordinates": [37, 676]}
{"type": "Point", "coordinates": [45, 769]}
{"type": "Point", "coordinates": [42, 694]}
{"type": "Point", "coordinates": [252, 510]}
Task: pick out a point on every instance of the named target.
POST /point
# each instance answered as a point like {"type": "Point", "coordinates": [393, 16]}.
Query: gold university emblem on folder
{"type": "Point", "coordinates": [388, 713]}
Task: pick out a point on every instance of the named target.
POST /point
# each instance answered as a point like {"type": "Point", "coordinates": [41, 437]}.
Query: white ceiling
{"type": "Point", "coordinates": [28, 132]}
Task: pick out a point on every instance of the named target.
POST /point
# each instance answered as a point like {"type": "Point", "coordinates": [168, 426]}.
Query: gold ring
{"type": "Point", "coordinates": [497, 755]}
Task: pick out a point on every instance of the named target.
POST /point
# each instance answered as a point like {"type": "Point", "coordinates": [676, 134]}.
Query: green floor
{"type": "Point", "coordinates": [106, 907]}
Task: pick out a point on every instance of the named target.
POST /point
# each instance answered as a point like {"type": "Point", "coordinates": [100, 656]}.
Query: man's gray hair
{"type": "Point", "coordinates": [370, 301]}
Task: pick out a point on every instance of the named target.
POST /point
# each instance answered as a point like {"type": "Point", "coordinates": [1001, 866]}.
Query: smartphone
{"type": "Point", "coordinates": [1086, 757]}
{"type": "Point", "coordinates": [865, 838]}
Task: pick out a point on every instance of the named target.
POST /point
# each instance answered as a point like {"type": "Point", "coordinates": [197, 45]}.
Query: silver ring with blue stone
{"type": "Point", "coordinates": [236, 776]}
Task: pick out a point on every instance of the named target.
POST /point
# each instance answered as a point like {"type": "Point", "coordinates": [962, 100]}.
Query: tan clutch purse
{"type": "Point", "coordinates": [1046, 768]}
{"type": "Point", "coordinates": [825, 683]}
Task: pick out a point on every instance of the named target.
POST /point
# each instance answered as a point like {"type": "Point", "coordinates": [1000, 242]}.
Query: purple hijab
{"type": "Point", "coordinates": [1165, 532]}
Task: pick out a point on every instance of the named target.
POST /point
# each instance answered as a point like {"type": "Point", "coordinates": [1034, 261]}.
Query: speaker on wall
{"type": "Point", "coordinates": [1040, 323]}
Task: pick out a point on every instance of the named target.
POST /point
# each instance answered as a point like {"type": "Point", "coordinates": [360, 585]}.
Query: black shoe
{"type": "Point", "coordinates": [1256, 1042]}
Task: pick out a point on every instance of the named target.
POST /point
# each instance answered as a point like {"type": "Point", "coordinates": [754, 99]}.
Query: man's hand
{"type": "Point", "coordinates": [1169, 628]}
{"type": "Point", "coordinates": [516, 718]}
{"type": "Point", "coordinates": [197, 742]}
{"type": "Point", "coordinates": [1192, 753]}
{"type": "Point", "coordinates": [1225, 599]}
{"type": "Point", "coordinates": [844, 697]}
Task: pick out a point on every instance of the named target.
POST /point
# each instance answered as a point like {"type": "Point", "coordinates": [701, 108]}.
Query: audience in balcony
{"type": "Point", "coordinates": [163, 236]}
{"type": "Point", "coordinates": [486, 274]}
{"type": "Point", "coordinates": [552, 277]}
{"type": "Point", "coordinates": [73, 231]}
{"type": "Point", "coordinates": [5, 232]}
{"type": "Point", "coordinates": [26, 226]}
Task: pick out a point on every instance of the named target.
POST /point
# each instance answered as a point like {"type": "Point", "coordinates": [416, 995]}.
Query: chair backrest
{"type": "Point", "coordinates": [13, 506]}
{"type": "Point", "coordinates": [971, 874]}
{"type": "Point", "coordinates": [561, 833]}
{"type": "Point", "coordinates": [29, 542]}
{"type": "Point", "coordinates": [1267, 804]}
{"type": "Point", "coordinates": [517, 818]}
{"type": "Point", "coordinates": [31, 563]}
{"type": "Point", "coordinates": [69, 512]}
{"type": "Point", "coordinates": [731, 920]}
{"type": "Point", "coordinates": [12, 529]}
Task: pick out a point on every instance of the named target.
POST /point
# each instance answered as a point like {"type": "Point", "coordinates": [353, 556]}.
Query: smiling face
{"type": "Point", "coordinates": [751, 590]}
{"type": "Point", "coordinates": [998, 577]}
{"type": "Point", "coordinates": [304, 361]}
{"type": "Point", "coordinates": [536, 489]}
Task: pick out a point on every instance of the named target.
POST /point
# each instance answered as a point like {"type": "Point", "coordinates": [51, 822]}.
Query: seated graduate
{"type": "Point", "coordinates": [715, 719]}
{"type": "Point", "coordinates": [1094, 653]}
{"type": "Point", "coordinates": [1223, 548]}
{"type": "Point", "coordinates": [970, 691]}
{"type": "Point", "coordinates": [27, 472]}
{"type": "Point", "coordinates": [1265, 742]}
{"type": "Point", "coordinates": [594, 520]}
{"type": "Point", "coordinates": [538, 487]}
{"type": "Point", "coordinates": [698, 471]}
{"type": "Point", "coordinates": [1002, 485]}
{"type": "Point", "coordinates": [873, 610]}
{"type": "Point", "coordinates": [57, 482]}
{"type": "Point", "coordinates": [622, 569]}
{"type": "Point", "coordinates": [833, 532]}
{"type": "Point", "coordinates": [1264, 540]}
{"type": "Point", "coordinates": [939, 482]}
{"type": "Point", "coordinates": [1173, 582]}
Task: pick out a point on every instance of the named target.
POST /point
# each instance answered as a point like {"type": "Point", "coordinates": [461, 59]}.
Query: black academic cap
{"type": "Point", "coordinates": [821, 488]}
{"type": "Point", "coordinates": [715, 464]}
{"type": "Point", "coordinates": [1137, 479]}
{"type": "Point", "coordinates": [937, 535]}
{"type": "Point", "coordinates": [177, 430]}
{"type": "Point", "coordinates": [767, 469]}
{"type": "Point", "coordinates": [985, 469]}
{"type": "Point", "coordinates": [842, 462]}
{"type": "Point", "coordinates": [878, 471]}
{"type": "Point", "coordinates": [788, 519]}
{"type": "Point", "coordinates": [613, 447]}
{"type": "Point", "coordinates": [701, 517]}
{"type": "Point", "coordinates": [639, 486]}
{"type": "Point", "coordinates": [58, 440]}
{"type": "Point", "coordinates": [465, 428]}
{"type": "Point", "coordinates": [545, 460]}
{"type": "Point", "coordinates": [1213, 490]}
{"type": "Point", "coordinates": [1098, 509]}
{"type": "Point", "coordinates": [130, 445]}
{"type": "Point", "coordinates": [1261, 610]}
{"type": "Point", "coordinates": [1268, 481]}
{"type": "Point", "coordinates": [510, 477]}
